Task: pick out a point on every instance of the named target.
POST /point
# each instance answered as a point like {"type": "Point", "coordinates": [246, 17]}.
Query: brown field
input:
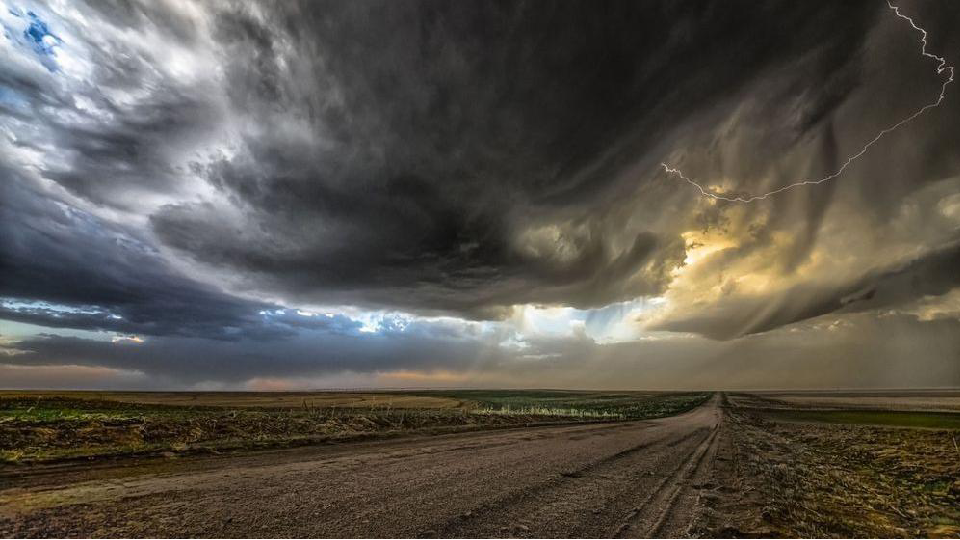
{"type": "Point", "coordinates": [939, 400]}
{"type": "Point", "coordinates": [276, 400]}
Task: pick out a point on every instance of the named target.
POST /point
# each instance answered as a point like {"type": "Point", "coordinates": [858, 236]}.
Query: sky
{"type": "Point", "coordinates": [221, 195]}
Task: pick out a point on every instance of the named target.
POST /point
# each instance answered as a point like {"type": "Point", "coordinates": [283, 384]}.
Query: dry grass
{"type": "Point", "coordinates": [42, 429]}
{"type": "Point", "coordinates": [45, 426]}
{"type": "Point", "coordinates": [837, 480]}
{"type": "Point", "coordinates": [581, 404]}
{"type": "Point", "coordinates": [548, 411]}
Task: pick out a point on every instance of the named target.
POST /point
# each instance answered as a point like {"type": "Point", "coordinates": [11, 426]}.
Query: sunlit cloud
{"type": "Point", "coordinates": [127, 339]}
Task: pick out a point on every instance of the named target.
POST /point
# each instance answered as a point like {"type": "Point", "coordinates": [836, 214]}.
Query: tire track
{"type": "Point", "coordinates": [449, 527]}
{"type": "Point", "coordinates": [699, 469]}
{"type": "Point", "coordinates": [658, 505]}
{"type": "Point", "coordinates": [549, 506]}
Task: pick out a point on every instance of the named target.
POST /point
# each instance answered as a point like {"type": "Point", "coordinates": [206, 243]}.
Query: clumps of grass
{"type": "Point", "coordinates": [583, 405]}
{"type": "Point", "coordinates": [47, 429]}
{"type": "Point", "coordinates": [847, 480]}
{"type": "Point", "coordinates": [548, 411]}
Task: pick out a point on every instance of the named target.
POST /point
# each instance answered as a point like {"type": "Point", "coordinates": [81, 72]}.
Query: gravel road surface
{"type": "Point", "coordinates": [634, 479]}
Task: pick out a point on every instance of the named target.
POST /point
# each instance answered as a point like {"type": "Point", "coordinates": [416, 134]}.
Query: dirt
{"type": "Point", "coordinates": [719, 470]}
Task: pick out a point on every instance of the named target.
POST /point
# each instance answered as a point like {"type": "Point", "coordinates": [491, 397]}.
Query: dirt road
{"type": "Point", "coordinates": [604, 480]}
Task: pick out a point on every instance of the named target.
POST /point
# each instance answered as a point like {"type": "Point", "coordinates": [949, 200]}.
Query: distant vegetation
{"type": "Point", "coordinates": [915, 419]}
{"type": "Point", "coordinates": [620, 406]}
{"type": "Point", "coordinates": [547, 411]}
{"type": "Point", "coordinates": [47, 426]}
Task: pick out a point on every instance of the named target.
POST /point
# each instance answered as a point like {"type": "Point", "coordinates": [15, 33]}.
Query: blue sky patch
{"type": "Point", "coordinates": [39, 38]}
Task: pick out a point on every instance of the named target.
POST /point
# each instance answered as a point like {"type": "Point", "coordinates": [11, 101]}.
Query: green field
{"type": "Point", "coordinates": [913, 419]}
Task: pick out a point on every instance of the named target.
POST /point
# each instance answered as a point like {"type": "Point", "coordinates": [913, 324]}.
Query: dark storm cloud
{"type": "Point", "coordinates": [63, 268]}
{"type": "Point", "coordinates": [409, 154]}
{"type": "Point", "coordinates": [432, 135]}
{"type": "Point", "coordinates": [195, 173]}
{"type": "Point", "coordinates": [132, 151]}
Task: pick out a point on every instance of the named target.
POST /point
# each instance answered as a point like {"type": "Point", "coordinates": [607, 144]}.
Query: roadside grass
{"type": "Point", "coordinates": [848, 479]}
{"type": "Point", "coordinates": [573, 404]}
{"type": "Point", "coordinates": [49, 427]}
{"type": "Point", "coordinates": [42, 429]}
{"type": "Point", "coordinates": [547, 411]}
{"type": "Point", "coordinates": [913, 419]}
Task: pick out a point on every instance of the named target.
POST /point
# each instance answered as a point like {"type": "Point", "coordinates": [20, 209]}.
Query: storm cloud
{"type": "Point", "coordinates": [324, 187]}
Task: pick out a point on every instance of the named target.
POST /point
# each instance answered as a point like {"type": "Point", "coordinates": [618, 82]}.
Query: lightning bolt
{"type": "Point", "coordinates": [941, 68]}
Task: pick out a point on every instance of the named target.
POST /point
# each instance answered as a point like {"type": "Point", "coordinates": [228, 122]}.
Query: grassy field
{"type": "Point", "coordinates": [44, 426]}
{"type": "Point", "coordinates": [621, 406]}
{"type": "Point", "coordinates": [838, 473]}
